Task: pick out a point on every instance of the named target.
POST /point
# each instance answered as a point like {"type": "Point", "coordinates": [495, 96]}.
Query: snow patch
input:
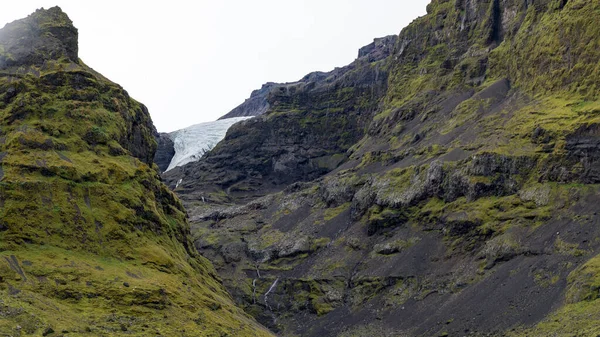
{"type": "Point", "coordinates": [194, 141]}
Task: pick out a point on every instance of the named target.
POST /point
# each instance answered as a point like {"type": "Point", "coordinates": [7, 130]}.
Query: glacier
{"type": "Point", "coordinates": [194, 141]}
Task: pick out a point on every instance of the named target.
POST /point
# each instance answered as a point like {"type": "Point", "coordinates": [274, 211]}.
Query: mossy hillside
{"type": "Point", "coordinates": [453, 61]}
{"type": "Point", "coordinates": [556, 50]}
{"type": "Point", "coordinates": [445, 49]}
{"type": "Point", "coordinates": [81, 201]}
{"type": "Point", "coordinates": [542, 46]}
{"type": "Point", "coordinates": [91, 242]}
{"type": "Point", "coordinates": [53, 137]}
{"type": "Point", "coordinates": [89, 294]}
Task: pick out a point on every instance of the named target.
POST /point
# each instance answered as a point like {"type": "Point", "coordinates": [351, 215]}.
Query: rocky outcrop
{"type": "Point", "coordinates": [256, 105]}
{"type": "Point", "coordinates": [164, 151]}
{"type": "Point", "coordinates": [43, 36]}
{"type": "Point", "coordinates": [91, 241]}
{"type": "Point", "coordinates": [379, 49]}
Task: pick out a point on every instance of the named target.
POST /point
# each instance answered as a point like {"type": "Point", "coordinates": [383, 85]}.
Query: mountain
{"type": "Point", "coordinates": [91, 242]}
{"type": "Point", "coordinates": [447, 185]}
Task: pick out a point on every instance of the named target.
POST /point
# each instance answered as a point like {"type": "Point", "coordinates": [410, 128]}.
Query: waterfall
{"type": "Point", "coordinates": [269, 291]}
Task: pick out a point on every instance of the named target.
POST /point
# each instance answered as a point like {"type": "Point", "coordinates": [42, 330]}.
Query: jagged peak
{"type": "Point", "coordinates": [46, 34]}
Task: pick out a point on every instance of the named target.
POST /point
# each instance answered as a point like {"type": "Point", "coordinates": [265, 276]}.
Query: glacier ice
{"type": "Point", "coordinates": [194, 141]}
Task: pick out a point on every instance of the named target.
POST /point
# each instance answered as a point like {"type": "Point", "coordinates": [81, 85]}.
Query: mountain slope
{"type": "Point", "coordinates": [91, 242]}
{"type": "Point", "coordinates": [464, 199]}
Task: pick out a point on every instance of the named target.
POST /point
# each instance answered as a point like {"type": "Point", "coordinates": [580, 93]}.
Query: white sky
{"type": "Point", "coordinates": [194, 61]}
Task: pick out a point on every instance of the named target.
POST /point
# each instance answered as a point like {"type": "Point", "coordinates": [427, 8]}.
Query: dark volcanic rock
{"type": "Point", "coordinates": [164, 151]}
{"type": "Point", "coordinates": [379, 49]}
{"type": "Point", "coordinates": [582, 162]}
{"type": "Point", "coordinates": [139, 139]}
{"type": "Point", "coordinates": [256, 105]}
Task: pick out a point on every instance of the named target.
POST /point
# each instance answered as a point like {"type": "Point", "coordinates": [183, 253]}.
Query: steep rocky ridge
{"type": "Point", "coordinates": [464, 202]}
{"type": "Point", "coordinates": [256, 105]}
{"type": "Point", "coordinates": [91, 242]}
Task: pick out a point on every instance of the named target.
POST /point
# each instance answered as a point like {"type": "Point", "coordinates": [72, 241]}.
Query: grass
{"type": "Point", "coordinates": [330, 213]}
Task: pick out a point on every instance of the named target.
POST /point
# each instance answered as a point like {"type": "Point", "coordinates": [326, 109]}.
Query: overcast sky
{"type": "Point", "coordinates": [194, 61]}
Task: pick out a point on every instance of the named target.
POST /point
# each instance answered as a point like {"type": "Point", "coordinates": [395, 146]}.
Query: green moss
{"type": "Point", "coordinates": [365, 289]}
{"type": "Point", "coordinates": [465, 111]}
{"type": "Point", "coordinates": [402, 291]}
{"type": "Point", "coordinates": [584, 282]}
{"type": "Point", "coordinates": [556, 115]}
{"type": "Point", "coordinates": [82, 293]}
{"type": "Point", "coordinates": [269, 237]}
{"type": "Point", "coordinates": [325, 296]}
{"type": "Point", "coordinates": [553, 51]}
{"type": "Point", "coordinates": [331, 213]}
{"type": "Point", "coordinates": [565, 248]}
{"type": "Point", "coordinates": [580, 319]}
{"type": "Point", "coordinates": [319, 243]}
{"type": "Point", "coordinates": [396, 246]}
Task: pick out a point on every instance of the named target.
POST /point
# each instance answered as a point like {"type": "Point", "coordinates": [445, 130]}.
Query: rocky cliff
{"type": "Point", "coordinates": [91, 242]}
{"type": "Point", "coordinates": [165, 151]}
{"type": "Point", "coordinates": [258, 103]}
{"type": "Point", "coordinates": [448, 186]}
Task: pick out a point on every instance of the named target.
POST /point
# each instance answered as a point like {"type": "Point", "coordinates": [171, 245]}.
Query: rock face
{"type": "Point", "coordinates": [164, 151]}
{"type": "Point", "coordinates": [91, 242]}
{"type": "Point", "coordinates": [380, 49]}
{"type": "Point", "coordinates": [256, 105]}
{"type": "Point", "coordinates": [445, 186]}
